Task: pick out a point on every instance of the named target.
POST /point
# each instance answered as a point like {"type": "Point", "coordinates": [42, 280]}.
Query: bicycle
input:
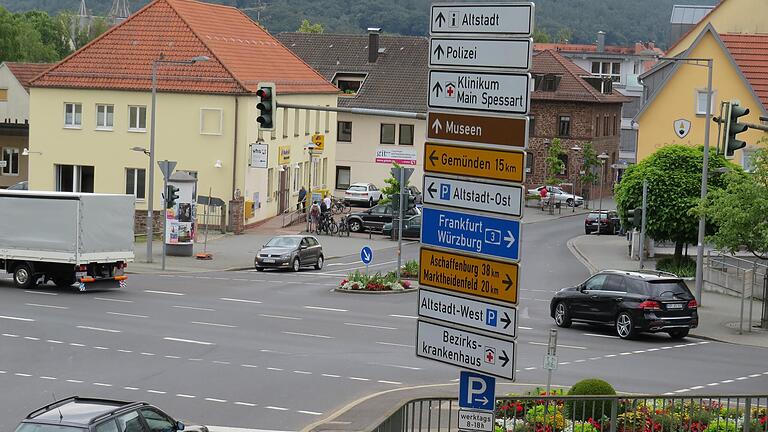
{"type": "Point", "coordinates": [340, 206]}
{"type": "Point", "coordinates": [327, 225]}
{"type": "Point", "coordinates": [344, 227]}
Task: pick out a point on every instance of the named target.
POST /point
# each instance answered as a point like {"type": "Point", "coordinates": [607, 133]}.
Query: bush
{"type": "Point", "coordinates": [586, 409]}
{"type": "Point", "coordinates": [685, 267]}
{"type": "Point", "coordinates": [410, 269]}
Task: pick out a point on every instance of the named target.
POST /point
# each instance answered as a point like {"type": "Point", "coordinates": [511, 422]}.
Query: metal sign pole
{"type": "Point", "coordinates": [400, 217]}
{"type": "Point", "coordinates": [551, 360]}
{"type": "Point", "coordinates": [642, 224]}
{"type": "Point", "coordinates": [165, 220]}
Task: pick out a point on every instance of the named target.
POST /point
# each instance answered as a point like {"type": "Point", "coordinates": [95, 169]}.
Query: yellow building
{"type": "Point", "coordinates": [90, 110]}
{"type": "Point", "coordinates": [675, 92]}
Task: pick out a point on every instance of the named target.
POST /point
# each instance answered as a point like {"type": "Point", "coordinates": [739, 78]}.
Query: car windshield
{"type": "Point", "coordinates": [357, 189]}
{"type": "Point", "coordinates": [669, 290]}
{"type": "Point", "coordinates": [33, 427]}
{"type": "Point", "coordinates": [593, 216]}
{"type": "Point", "coordinates": [283, 242]}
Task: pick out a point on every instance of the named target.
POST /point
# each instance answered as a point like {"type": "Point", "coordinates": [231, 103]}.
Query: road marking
{"type": "Point", "coordinates": [638, 352]}
{"type": "Point", "coordinates": [124, 351]}
{"type": "Point", "coordinates": [359, 379]}
{"type": "Point", "coordinates": [273, 351]}
{"type": "Point", "coordinates": [31, 338]}
{"type": "Point", "coordinates": [48, 378]}
{"type": "Point", "coordinates": [325, 309]}
{"type": "Point", "coordinates": [331, 376]}
{"type": "Point", "coordinates": [310, 413]}
{"type": "Point", "coordinates": [396, 344]}
{"type": "Point", "coordinates": [370, 326]}
{"type": "Point", "coordinates": [22, 375]}
{"type": "Point", "coordinates": [76, 344]}
{"type": "Point", "coordinates": [149, 354]}
{"type": "Point", "coordinates": [530, 368]}
{"type": "Point", "coordinates": [74, 381]}
{"type": "Point", "coordinates": [279, 317]}
{"type": "Point", "coordinates": [594, 358]}
{"type": "Point", "coordinates": [156, 391]}
{"type": "Point", "coordinates": [609, 355]}
{"type": "Point", "coordinates": [221, 362]}
{"type": "Point", "coordinates": [45, 306]}
{"type": "Point", "coordinates": [102, 384]}
{"type": "Point", "coordinates": [652, 349]}
{"type": "Point", "coordinates": [754, 375]}
{"type": "Point", "coordinates": [172, 357]}
{"type": "Point", "coordinates": [195, 359]}
{"type": "Point", "coordinates": [212, 324]}
{"type": "Point", "coordinates": [389, 382]}
{"type": "Point", "coordinates": [186, 396]}
{"type": "Point", "coordinates": [741, 378]}
{"type": "Point", "coordinates": [13, 318]}
{"type": "Point", "coordinates": [525, 328]}
{"type": "Point", "coordinates": [187, 341]}
{"type": "Point", "coordinates": [276, 408]}
{"type": "Point", "coordinates": [127, 315]}
{"type": "Point", "coordinates": [99, 329]}
{"type": "Point", "coordinates": [216, 400]}
{"type": "Point", "coordinates": [41, 293]}
{"type": "Point", "coordinates": [697, 387]}
{"type": "Point", "coordinates": [248, 404]}
{"type": "Point", "coordinates": [130, 388]}
{"type": "Point", "coordinates": [565, 363]}
{"type": "Point", "coordinates": [713, 384]}
{"type": "Point", "coordinates": [625, 353]}
{"type": "Point", "coordinates": [403, 316]}
{"type": "Point", "coordinates": [239, 300]}
{"type": "Point", "coordinates": [248, 366]}
{"type": "Point", "coordinates": [726, 381]}
{"type": "Point", "coordinates": [10, 335]}
{"type": "Point", "coordinates": [100, 348]}
{"type": "Point", "coordinates": [579, 361]}
{"type": "Point", "coordinates": [274, 369]}
{"type": "Point", "coordinates": [113, 300]}
{"type": "Point", "coordinates": [302, 372]}
{"type": "Point", "coordinates": [681, 391]}
{"type": "Point", "coordinates": [600, 335]}
{"type": "Point", "coordinates": [559, 346]}
{"type": "Point", "coordinates": [308, 335]}
{"type": "Point", "coordinates": [195, 308]}
{"type": "Point", "coordinates": [397, 366]}
{"type": "Point", "coordinates": [164, 292]}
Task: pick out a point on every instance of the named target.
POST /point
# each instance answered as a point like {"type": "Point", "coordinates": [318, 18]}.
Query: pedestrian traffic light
{"type": "Point", "coordinates": [733, 128]}
{"type": "Point", "coordinates": [171, 195]}
{"type": "Point", "coordinates": [266, 106]}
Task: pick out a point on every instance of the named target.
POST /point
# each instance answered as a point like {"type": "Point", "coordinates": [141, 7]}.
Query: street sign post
{"type": "Point", "coordinates": [166, 167]}
{"type": "Point", "coordinates": [480, 421]}
{"type": "Point", "coordinates": [505, 93]}
{"type": "Point", "coordinates": [467, 232]}
{"type": "Point", "coordinates": [477, 391]}
{"type": "Point", "coordinates": [466, 274]}
{"type": "Point", "coordinates": [366, 256]}
{"type": "Point", "coordinates": [481, 53]}
{"type": "Point", "coordinates": [474, 162]}
{"type": "Point", "coordinates": [476, 314]}
{"type": "Point", "coordinates": [505, 131]}
{"type": "Point", "coordinates": [504, 19]}
{"type": "Point", "coordinates": [466, 349]}
{"type": "Point", "coordinates": [550, 359]}
{"type": "Point", "coordinates": [3, 164]}
{"type": "Point", "coordinates": [474, 195]}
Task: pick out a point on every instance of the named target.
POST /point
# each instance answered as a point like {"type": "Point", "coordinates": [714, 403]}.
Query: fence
{"type": "Point", "coordinates": [745, 278]}
{"type": "Point", "coordinates": [651, 413]}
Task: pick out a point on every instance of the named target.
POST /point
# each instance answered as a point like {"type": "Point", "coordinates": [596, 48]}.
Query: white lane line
{"type": "Point", "coordinates": [370, 326]}
{"type": "Point", "coordinates": [531, 368]}
{"type": "Point", "coordinates": [74, 381]}
{"type": "Point", "coordinates": [713, 384]}
{"type": "Point", "coordinates": [276, 408]}
{"type": "Point", "coordinates": [241, 280]}
{"type": "Point", "coordinates": [565, 363]}
{"type": "Point", "coordinates": [130, 388]}
{"type": "Point", "coordinates": [45, 306]}
{"type": "Point", "coordinates": [195, 359]}
{"type": "Point", "coordinates": [10, 335]}
{"type": "Point", "coordinates": [397, 366]}
{"type": "Point", "coordinates": [248, 404]}
{"type": "Point", "coordinates": [525, 328]}
{"type": "Point", "coordinates": [273, 351]}
{"type": "Point", "coordinates": [741, 378]}
{"type": "Point", "coordinates": [156, 391]}
{"type": "Point", "coordinates": [2, 372]}
{"type": "Point", "coordinates": [212, 324]}
{"type": "Point", "coordinates": [221, 362]}
{"type": "Point", "coordinates": [164, 292]}
{"type": "Point", "coordinates": [13, 318]}
{"type": "Point", "coordinates": [22, 375]}
{"type": "Point", "coordinates": [697, 387]}
{"type": "Point", "coordinates": [600, 335]}
{"type": "Point", "coordinates": [124, 351]}
{"type": "Point", "coordinates": [216, 400]}
{"type": "Point", "coordinates": [609, 355]}
{"type": "Point", "coordinates": [99, 329]}
{"type": "Point", "coordinates": [186, 396]}
{"type": "Point", "coordinates": [172, 357]}
{"type": "Point", "coordinates": [100, 348]}
{"type": "Point", "coordinates": [279, 317]}
{"type": "Point", "coordinates": [754, 375]}
{"type": "Point", "coordinates": [113, 300]}
{"type": "Point", "coordinates": [275, 369]}
{"type": "Point", "coordinates": [195, 308]}
{"type": "Point", "coordinates": [579, 361]}
{"type": "Point", "coordinates": [308, 335]}
{"type": "Point", "coordinates": [331, 376]}
{"type": "Point", "coordinates": [237, 300]}
{"type": "Point", "coordinates": [652, 349]}
{"type": "Point", "coordinates": [594, 358]}
{"type": "Point", "coordinates": [41, 293]}
{"type": "Point", "coordinates": [31, 338]}
{"type": "Point", "coordinates": [149, 354]}
{"type": "Point", "coordinates": [396, 344]}
{"type": "Point", "coordinates": [310, 413]}
{"type": "Point", "coordinates": [559, 346]}
{"type": "Point", "coordinates": [248, 366]}
{"type": "Point", "coordinates": [302, 372]}
{"type": "Point", "coordinates": [389, 382]}
{"type": "Point", "coordinates": [102, 384]}
{"type": "Point", "coordinates": [726, 381]}
{"type": "Point", "coordinates": [172, 339]}
{"type": "Point", "coordinates": [325, 309]}
{"type": "Point", "coordinates": [48, 378]}
{"type": "Point", "coordinates": [127, 315]}
{"type": "Point", "coordinates": [682, 390]}
{"type": "Point", "coordinates": [359, 379]}
{"type": "Point", "coordinates": [76, 344]}
{"type": "Point", "coordinates": [403, 316]}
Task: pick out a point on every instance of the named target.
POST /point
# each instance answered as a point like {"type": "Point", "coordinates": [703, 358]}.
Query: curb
{"type": "Point", "coordinates": [405, 291]}
{"type": "Point", "coordinates": [580, 256]}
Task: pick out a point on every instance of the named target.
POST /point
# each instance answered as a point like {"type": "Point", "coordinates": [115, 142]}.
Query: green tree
{"type": "Point", "coordinates": [82, 36]}
{"type": "Point", "coordinates": [392, 188]}
{"type": "Point", "coordinates": [564, 35]}
{"type": "Point", "coordinates": [52, 31]}
{"type": "Point", "coordinates": [674, 188]}
{"type": "Point", "coordinates": [555, 164]}
{"type": "Point", "coordinates": [307, 27]}
{"type": "Point", "coordinates": [540, 36]}
{"type": "Point", "coordinates": [588, 174]}
{"type": "Point", "coordinates": [740, 211]}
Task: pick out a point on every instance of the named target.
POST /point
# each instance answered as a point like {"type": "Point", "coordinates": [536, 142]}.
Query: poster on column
{"type": "Point", "coordinates": [181, 224]}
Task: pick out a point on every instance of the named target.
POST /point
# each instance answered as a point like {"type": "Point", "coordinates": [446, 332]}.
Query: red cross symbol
{"type": "Point", "coordinates": [489, 355]}
{"type": "Point", "coordinates": [449, 90]}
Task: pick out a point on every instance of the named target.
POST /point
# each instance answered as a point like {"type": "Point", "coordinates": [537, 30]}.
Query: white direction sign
{"type": "Point", "coordinates": [481, 53]}
{"type": "Point", "coordinates": [474, 195]}
{"type": "Point", "coordinates": [471, 313]}
{"type": "Point", "coordinates": [470, 420]}
{"type": "Point", "coordinates": [466, 349]}
{"type": "Point", "coordinates": [507, 19]}
{"type": "Point", "coordinates": [480, 91]}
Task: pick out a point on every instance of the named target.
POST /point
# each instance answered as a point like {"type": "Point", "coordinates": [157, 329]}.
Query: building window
{"type": "Point", "coordinates": [135, 182]}
{"type": "Point", "coordinates": [387, 133]}
{"type": "Point", "coordinates": [105, 116]}
{"type": "Point", "coordinates": [529, 163]}
{"type": "Point", "coordinates": [406, 134]}
{"type": "Point", "coordinates": [211, 120]}
{"type": "Point", "coordinates": [531, 126]}
{"type": "Point", "coordinates": [3, 95]}
{"type": "Point", "coordinates": [610, 70]}
{"type": "Point", "coordinates": [605, 126]}
{"type": "Point", "coordinates": [701, 102]}
{"type": "Point", "coordinates": [597, 126]}
{"type": "Point", "coordinates": [345, 131]}
{"type": "Point", "coordinates": [615, 125]}
{"type": "Point", "coordinates": [73, 115]}
{"type": "Point", "coordinates": [325, 172]}
{"type": "Point", "coordinates": [343, 174]}
{"type": "Point", "coordinates": [137, 118]}
{"type": "Point", "coordinates": [349, 83]}
{"type": "Point", "coordinates": [564, 128]}
{"type": "Point", "coordinates": [297, 178]}
{"type": "Point", "coordinates": [74, 178]}
{"type": "Point", "coordinates": [564, 159]}
{"type": "Point", "coordinates": [596, 68]}
{"type": "Point", "coordinates": [11, 159]}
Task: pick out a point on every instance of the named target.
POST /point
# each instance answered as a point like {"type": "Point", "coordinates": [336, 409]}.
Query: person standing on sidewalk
{"type": "Point", "coordinates": [302, 205]}
{"type": "Point", "coordinates": [327, 201]}
{"type": "Point", "coordinates": [543, 195]}
{"type": "Point", "coordinates": [314, 216]}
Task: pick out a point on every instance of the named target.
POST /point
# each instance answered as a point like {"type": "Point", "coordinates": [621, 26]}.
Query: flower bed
{"type": "Point", "coordinates": [358, 281]}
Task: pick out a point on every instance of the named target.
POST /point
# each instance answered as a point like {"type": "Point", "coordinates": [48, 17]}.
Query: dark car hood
{"type": "Point", "coordinates": [276, 250]}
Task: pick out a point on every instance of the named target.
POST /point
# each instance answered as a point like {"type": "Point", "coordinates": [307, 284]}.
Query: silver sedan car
{"type": "Point", "coordinates": [290, 252]}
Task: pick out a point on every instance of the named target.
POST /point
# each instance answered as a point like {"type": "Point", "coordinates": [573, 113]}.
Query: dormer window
{"type": "Point", "coordinates": [349, 83]}
{"type": "Point", "coordinates": [547, 82]}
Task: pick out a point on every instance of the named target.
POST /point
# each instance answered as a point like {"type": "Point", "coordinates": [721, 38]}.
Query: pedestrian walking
{"type": "Point", "coordinates": [314, 215]}
{"type": "Point", "coordinates": [327, 201]}
{"type": "Point", "coordinates": [302, 204]}
{"type": "Point", "coordinates": [543, 194]}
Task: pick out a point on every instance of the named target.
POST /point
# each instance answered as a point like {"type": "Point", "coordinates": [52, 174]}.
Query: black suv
{"type": "Point", "coordinates": [374, 218]}
{"type": "Point", "coordinates": [632, 301]}
{"type": "Point", "coordinates": [76, 414]}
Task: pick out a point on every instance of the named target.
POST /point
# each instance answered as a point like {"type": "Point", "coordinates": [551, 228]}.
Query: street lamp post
{"type": "Point", "coordinates": [310, 147]}
{"type": "Point", "coordinates": [151, 151]}
{"type": "Point", "coordinates": [602, 156]}
{"type": "Point", "coordinates": [577, 149]}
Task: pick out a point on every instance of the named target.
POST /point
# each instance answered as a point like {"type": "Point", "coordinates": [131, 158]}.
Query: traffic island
{"type": "Point", "coordinates": [377, 283]}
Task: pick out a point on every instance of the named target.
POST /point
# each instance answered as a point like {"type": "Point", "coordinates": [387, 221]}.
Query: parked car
{"type": "Point", "coordinates": [362, 193]}
{"type": "Point", "coordinates": [411, 227]}
{"type": "Point", "coordinates": [290, 252]}
{"type": "Point", "coordinates": [604, 221]}
{"type": "Point", "coordinates": [560, 195]}
{"type": "Point", "coordinates": [76, 414]}
{"type": "Point", "coordinates": [374, 218]}
{"type": "Point", "coordinates": [632, 301]}
{"type": "Point", "coordinates": [22, 185]}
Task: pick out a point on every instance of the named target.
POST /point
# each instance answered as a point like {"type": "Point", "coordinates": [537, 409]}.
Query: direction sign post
{"type": "Point", "coordinates": [479, 315]}
{"type": "Point", "coordinates": [467, 232]}
{"type": "Point", "coordinates": [474, 162]}
{"type": "Point", "coordinates": [480, 91]}
{"type": "Point", "coordinates": [481, 53]}
{"type": "Point", "coordinates": [503, 19]}
{"type": "Point", "coordinates": [474, 195]}
{"type": "Point", "coordinates": [506, 131]}
{"type": "Point", "coordinates": [366, 256]}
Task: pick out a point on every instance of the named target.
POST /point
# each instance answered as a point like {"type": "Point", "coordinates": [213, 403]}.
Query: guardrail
{"type": "Point", "coordinates": [745, 278]}
{"type": "Point", "coordinates": [649, 413]}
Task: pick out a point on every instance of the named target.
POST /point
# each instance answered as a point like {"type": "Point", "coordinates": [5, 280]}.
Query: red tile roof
{"type": "Point", "coordinates": [572, 87]}
{"type": "Point", "coordinates": [638, 49]}
{"type": "Point", "coordinates": [750, 52]}
{"type": "Point", "coordinates": [241, 54]}
{"type": "Point", "coordinates": [24, 72]}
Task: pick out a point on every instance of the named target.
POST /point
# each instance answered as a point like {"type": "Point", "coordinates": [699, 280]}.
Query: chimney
{"type": "Point", "coordinates": [373, 44]}
{"type": "Point", "coordinates": [601, 41]}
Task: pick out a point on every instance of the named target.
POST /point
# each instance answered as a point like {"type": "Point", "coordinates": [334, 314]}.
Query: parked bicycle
{"type": "Point", "coordinates": [339, 206]}
{"type": "Point", "coordinates": [327, 225]}
{"type": "Point", "coordinates": [344, 226]}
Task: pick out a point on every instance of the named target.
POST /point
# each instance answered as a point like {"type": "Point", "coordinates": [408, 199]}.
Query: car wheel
{"type": "Point", "coordinates": [355, 225]}
{"type": "Point", "coordinates": [22, 276]}
{"type": "Point", "coordinates": [678, 334]}
{"type": "Point", "coordinates": [319, 263]}
{"type": "Point", "coordinates": [586, 231]}
{"type": "Point", "coordinates": [625, 327]}
{"type": "Point", "coordinates": [569, 202]}
{"type": "Point", "coordinates": [296, 265]}
{"type": "Point", "coordinates": [562, 318]}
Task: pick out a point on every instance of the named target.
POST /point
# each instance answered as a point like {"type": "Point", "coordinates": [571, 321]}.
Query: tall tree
{"type": "Point", "coordinates": [554, 161]}
{"type": "Point", "coordinates": [307, 27]}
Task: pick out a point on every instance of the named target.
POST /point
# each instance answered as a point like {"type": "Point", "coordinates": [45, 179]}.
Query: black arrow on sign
{"type": "Point", "coordinates": [506, 321]}
{"type": "Point", "coordinates": [433, 158]}
{"type": "Point", "coordinates": [503, 357]}
{"type": "Point", "coordinates": [439, 51]}
{"type": "Point", "coordinates": [431, 189]}
{"type": "Point", "coordinates": [437, 88]}
{"type": "Point", "coordinates": [440, 19]}
{"type": "Point", "coordinates": [508, 282]}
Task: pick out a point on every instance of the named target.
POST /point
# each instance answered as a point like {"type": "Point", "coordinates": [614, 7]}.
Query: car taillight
{"type": "Point", "coordinates": [365, 193]}
{"type": "Point", "coordinates": [693, 304]}
{"type": "Point", "coordinates": [83, 267]}
{"type": "Point", "coordinates": [650, 305]}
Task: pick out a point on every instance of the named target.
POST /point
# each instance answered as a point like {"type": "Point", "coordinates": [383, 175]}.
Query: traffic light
{"type": "Point", "coordinates": [266, 106]}
{"type": "Point", "coordinates": [411, 203]}
{"type": "Point", "coordinates": [733, 128]}
{"type": "Point", "coordinates": [635, 217]}
{"type": "Point", "coordinates": [171, 195]}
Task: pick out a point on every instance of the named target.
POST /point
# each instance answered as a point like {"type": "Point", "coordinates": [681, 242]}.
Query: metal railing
{"type": "Point", "coordinates": [651, 413]}
{"type": "Point", "coordinates": [291, 217]}
{"type": "Point", "coordinates": [741, 277]}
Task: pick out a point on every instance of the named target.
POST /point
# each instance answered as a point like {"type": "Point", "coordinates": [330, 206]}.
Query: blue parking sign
{"type": "Point", "coordinates": [477, 391]}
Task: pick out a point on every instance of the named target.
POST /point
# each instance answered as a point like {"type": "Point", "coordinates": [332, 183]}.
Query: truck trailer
{"type": "Point", "coordinates": [67, 238]}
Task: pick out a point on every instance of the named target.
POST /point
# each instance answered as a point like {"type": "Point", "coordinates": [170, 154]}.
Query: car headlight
{"type": "Point", "coordinates": [285, 255]}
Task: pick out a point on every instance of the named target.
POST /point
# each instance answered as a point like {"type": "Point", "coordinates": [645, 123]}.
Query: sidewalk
{"type": "Point", "coordinates": [718, 313]}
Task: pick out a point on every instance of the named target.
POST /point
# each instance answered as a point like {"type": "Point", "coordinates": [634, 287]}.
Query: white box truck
{"type": "Point", "coordinates": [68, 238]}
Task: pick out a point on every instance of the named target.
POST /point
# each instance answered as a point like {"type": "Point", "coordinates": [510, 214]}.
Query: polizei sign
{"type": "Point", "coordinates": [486, 92]}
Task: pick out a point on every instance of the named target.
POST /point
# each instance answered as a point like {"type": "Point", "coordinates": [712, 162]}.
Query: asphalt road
{"type": "Point", "coordinates": [279, 351]}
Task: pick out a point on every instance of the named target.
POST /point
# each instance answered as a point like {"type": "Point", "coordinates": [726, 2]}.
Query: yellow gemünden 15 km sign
{"type": "Point", "coordinates": [466, 274]}
{"type": "Point", "coordinates": [475, 162]}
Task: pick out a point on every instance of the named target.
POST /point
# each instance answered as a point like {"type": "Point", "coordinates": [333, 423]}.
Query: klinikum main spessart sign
{"type": "Point", "coordinates": [480, 91]}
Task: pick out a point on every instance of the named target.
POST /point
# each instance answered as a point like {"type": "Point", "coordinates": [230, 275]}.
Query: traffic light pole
{"type": "Point", "coordinates": [704, 175]}
{"type": "Point", "coordinates": [642, 224]}
{"type": "Point", "coordinates": [400, 218]}
{"type": "Point", "coordinates": [165, 220]}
